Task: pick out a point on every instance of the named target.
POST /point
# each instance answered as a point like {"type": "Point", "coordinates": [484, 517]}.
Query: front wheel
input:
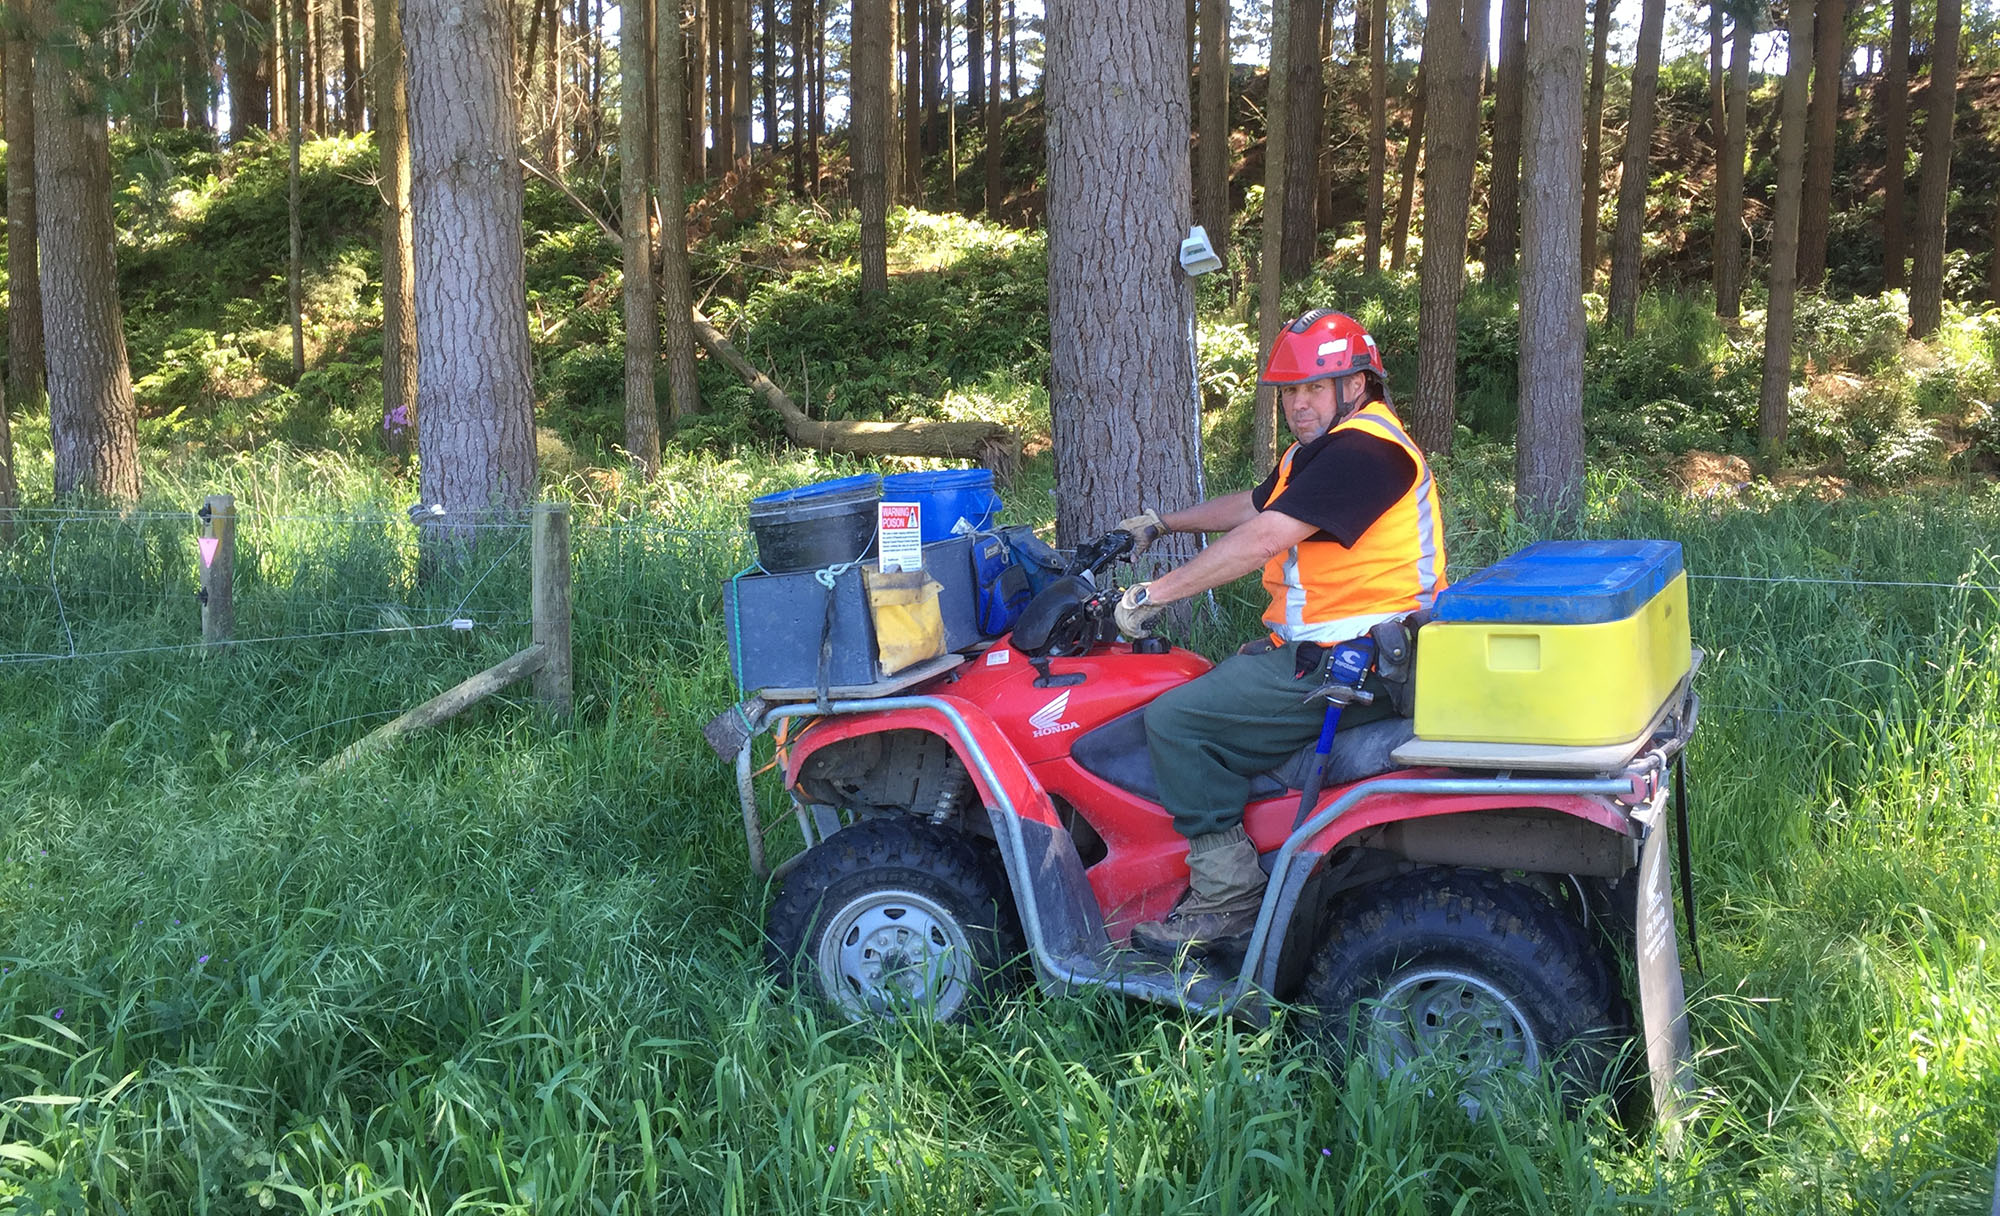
{"type": "Point", "coordinates": [1458, 967]}
{"type": "Point", "coordinates": [895, 917]}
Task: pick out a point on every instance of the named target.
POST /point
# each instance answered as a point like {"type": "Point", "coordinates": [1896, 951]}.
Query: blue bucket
{"type": "Point", "coordinates": [947, 497]}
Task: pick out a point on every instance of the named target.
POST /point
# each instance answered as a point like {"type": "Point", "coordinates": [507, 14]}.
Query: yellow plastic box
{"type": "Point", "coordinates": [1567, 643]}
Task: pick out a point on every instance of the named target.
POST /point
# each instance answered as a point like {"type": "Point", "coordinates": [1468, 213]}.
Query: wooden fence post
{"type": "Point", "coordinates": [218, 569]}
{"type": "Point", "coordinates": [550, 595]}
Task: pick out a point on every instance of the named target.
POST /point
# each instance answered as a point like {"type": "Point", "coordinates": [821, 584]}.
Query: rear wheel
{"type": "Point", "coordinates": [1462, 969]}
{"type": "Point", "coordinates": [894, 918]}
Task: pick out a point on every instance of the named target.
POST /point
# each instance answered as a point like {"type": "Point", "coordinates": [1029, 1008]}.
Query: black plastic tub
{"type": "Point", "coordinates": [814, 526]}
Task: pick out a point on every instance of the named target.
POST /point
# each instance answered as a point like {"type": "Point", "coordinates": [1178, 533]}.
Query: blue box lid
{"type": "Point", "coordinates": [1564, 582]}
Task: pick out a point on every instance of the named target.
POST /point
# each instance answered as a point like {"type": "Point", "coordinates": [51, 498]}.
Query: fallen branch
{"type": "Point", "coordinates": [989, 443]}
{"type": "Point", "coordinates": [447, 704]}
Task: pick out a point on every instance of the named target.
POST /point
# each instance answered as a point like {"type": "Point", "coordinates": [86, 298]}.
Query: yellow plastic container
{"type": "Point", "coordinates": [1573, 685]}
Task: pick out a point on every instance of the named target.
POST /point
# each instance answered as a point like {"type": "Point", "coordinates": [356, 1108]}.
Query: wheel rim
{"type": "Point", "coordinates": [894, 953]}
{"type": "Point", "coordinates": [1454, 1017]}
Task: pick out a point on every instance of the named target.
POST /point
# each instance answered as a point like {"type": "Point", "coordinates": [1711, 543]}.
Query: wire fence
{"type": "Point", "coordinates": [108, 586]}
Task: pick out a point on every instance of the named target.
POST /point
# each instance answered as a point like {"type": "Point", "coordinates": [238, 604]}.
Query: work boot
{"type": "Point", "coordinates": [1225, 889]}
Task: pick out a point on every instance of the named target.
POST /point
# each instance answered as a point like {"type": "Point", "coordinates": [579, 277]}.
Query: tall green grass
{"type": "Point", "coordinates": [515, 964]}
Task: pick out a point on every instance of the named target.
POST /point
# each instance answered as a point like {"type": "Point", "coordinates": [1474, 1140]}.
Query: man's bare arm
{"type": "Point", "coordinates": [1215, 515]}
{"type": "Point", "coordinates": [1246, 548]}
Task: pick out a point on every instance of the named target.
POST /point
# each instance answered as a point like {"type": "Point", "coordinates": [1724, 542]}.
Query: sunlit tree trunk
{"type": "Point", "coordinates": [1822, 124]}
{"type": "Point", "coordinates": [1729, 176]}
{"type": "Point", "coordinates": [1593, 138]}
{"type": "Point", "coordinates": [1270, 262]}
{"type": "Point", "coordinates": [1211, 184]}
{"type": "Point", "coordinates": [399, 309]}
{"type": "Point", "coordinates": [869, 136]}
{"type": "Point", "coordinates": [670, 163]}
{"type": "Point", "coordinates": [1774, 395]}
{"type": "Point", "coordinates": [475, 424]}
{"type": "Point", "coordinates": [1622, 303]}
{"type": "Point", "coordinates": [1378, 135]}
{"type": "Point", "coordinates": [1123, 415]}
{"type": "Point", "coordinates": [351, 92]}
{"type": "Point", "coordinates": [93, 422]}
{"type": "Point", "coordinates": [1548, 468]}
{"type": "Point", "coordinates": [635, 148]}
{"type": "Point", "coordinates": [1895, 143]}
{"type": "Point", "coordinates": [1503, 216]}
{"type": "Point", "coordinates": [1454, 42]}
{"type": "Point", "coordinates": [1933, 178]}
{"type": "Point", "coordinates": [1302, 112]}
{"type": "Point", "coordinates": [1406, 186]}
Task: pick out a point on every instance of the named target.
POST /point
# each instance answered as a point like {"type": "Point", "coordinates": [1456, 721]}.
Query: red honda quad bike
{"type": "Point", "coordinates": [1003, 805]}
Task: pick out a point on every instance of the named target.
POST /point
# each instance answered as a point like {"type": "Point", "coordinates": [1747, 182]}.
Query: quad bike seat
{"type": "Point", "coordinates": [1116, 752]}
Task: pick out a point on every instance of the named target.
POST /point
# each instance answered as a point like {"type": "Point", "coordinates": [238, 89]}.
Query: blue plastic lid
{"type": "Point", "coordinates": [868, 484]}
{"type": "Point", "coordinates": [1564, 582]}
{"type": "Point", "coordinates": [940, 479]}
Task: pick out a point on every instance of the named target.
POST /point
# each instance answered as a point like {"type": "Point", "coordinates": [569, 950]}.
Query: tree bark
{"type": "Point", "coordinates": [670, 163]}
{"type": "Point", "coordinates": [246, 32]}
{"type": "Point", "coordinates": [1302, 111]}
{"type": "Point", "coordinates": [869, 135]}
{"type": "Point", "coordinates": [1454, 42]}
{"type": "Point", "coordinates": [1406, 187]}
{"type": "Point", "coordinates": [1593, 138]}
{"type": "Point", "coordinates": [1729, 176]}
{"type": "Point", "coordinates": [1622, 304]}
{"type": "Point", "coordinates": [1503, 216]}
{"type": "Point", "coordinates": [642, 322]}
{"type": "Point", "coordinates": [994, 126]}
{"type": "Point", "coordinates": [818, 118]}
{"type": "Point", "coordinates": [1548, 470]}
{"type": "Point", "coordinates": [295, 93]}
{"type": "Point", "coordinates": [1211, 184]}
{"type": "Point", "coordinates": [1822, 124]}
{"type": "Point", "coordinates": [769, 35]}
{"type": "Point", "coordinates": [1270, 261]}
{"type": "Point", "coordinates": [24, 288]}
{"type": "Point", "coordinates": [697, 78]}
{"type": "Point", "coordinates": [1774, 395]}
{"type": "Point", "coordinates": [801, 26]}
{"type": "Point", "coordinates": [1895, 142]}
{"type": "Point", "coordinates": [1934, 178]}
{"type": "Point", "coordinates": [912, 144]}
{"type": "Point", "coordinates": [739, 82]}
{"type": "Point", "coordinates": [975, 56]}
{"type": "Point", "coordinates": [351, 91]}
{"type": "Point", "coordinates": [475, 421]}
{"type": "Point", "coordinates": [1125, 422]}
{"type": "Point", "coordinates": [1378, 134]}
{"type": "Point", "coordinates": [399, 309]}
{"type": "Point", "coordinates": [93, 422]}
{"type": "Point", "coordinates": [1716, 103]}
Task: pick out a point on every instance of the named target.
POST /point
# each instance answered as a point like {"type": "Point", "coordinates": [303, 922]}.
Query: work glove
{"type": "Point", "coordinates": [1145, 528]}
{"type": "Point", "coordinates": [1136, 611]}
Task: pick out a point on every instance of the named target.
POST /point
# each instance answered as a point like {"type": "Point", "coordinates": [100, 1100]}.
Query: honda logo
{"type": "Point", "coordinates": [1048, 719]}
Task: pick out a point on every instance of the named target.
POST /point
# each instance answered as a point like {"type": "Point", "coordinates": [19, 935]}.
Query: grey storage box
{"type": "Point", "coordinates": [950, 563]}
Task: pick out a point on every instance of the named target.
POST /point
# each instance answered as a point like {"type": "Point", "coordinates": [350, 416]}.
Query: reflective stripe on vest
{"type": "Point", "coordinates": [1323, 591]}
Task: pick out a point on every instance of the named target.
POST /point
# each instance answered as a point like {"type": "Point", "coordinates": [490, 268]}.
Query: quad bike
{"type": "Point", "coordinates": [1003, 804]}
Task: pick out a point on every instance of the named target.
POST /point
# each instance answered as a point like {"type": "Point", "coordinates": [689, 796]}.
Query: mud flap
{"type": "Point", "coordinates": [1662, 997]}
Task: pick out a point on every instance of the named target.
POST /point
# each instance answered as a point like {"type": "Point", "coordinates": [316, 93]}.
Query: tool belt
{"type": "Point", "coordinates": [1390, 657]}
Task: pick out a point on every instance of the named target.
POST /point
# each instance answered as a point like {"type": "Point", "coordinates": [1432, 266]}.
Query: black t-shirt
{"type": "Point", "coordinates": [1341, 483]}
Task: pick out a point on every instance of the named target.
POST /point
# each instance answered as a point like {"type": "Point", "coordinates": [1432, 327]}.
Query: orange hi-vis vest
{"type": "Point", "coordinates": [1323, 591]}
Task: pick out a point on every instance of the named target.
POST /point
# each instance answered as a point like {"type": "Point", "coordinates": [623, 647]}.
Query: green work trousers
{"type": "Point", "coordinates": [1248, 715]}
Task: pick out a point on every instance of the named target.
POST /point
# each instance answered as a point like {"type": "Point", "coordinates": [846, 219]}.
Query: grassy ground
{"type": "Point", "coordinates": [514, 966]}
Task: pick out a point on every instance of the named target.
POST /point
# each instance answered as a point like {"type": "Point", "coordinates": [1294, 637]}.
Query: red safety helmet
{"type": "Point", "coordinates": [1323, 343]}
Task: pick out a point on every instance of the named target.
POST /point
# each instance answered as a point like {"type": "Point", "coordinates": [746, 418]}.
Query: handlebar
{"type": "Point", "coordinates": [1096, 555]}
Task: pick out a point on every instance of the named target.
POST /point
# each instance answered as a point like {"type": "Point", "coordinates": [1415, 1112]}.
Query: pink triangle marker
{"type": "Point", "coordinates": [209, 544]}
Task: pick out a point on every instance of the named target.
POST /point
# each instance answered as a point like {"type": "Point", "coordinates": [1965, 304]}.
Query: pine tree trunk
{"type": "Point", "coordinates": [24, 287]}
{"type": "Point", "coordinates": [1729, 177]}
{"type": "Point", "coordinates": [306, 64]}
{"type": "Point", "coordinates": [670, 163]}
{"type": "Point", "coordinates": [475, 421]}
{"type": "Point", "coordinates": [1622, 304]}
{"type": "Point", "coordinates": [1822, 123]}
{"type": "Point", "coordinates": [1548, 471]}
{"type": "Point", "coordinates": [697, 79]}
{"type": "Point", "coordinates": [197, 70]}
{"type": "Point", "coordinates": [1303, 110]}
{"type": "Point", "coordinates": [740, 85]}
{"type": "Point", "coordinates": [399, 309]}
{"type": "Point", "coordinates": [1716, 70]}
{"type": "Point", "coordinates": [295, 91]}
{"type": "Point", "coordinates": [912, 143]}
{"type": "Point", "coordinates": [555, 147]}
{"type": "Point", "coordinates": [818, 120]}
{"type": "Point", "coordinates": [994, 126]}
{"type": "Point", "coordinates": [1895, 143]}
{"type": "Point", "coordinates": [1503, 216]}
{"type": "Point", "coordinates": [1124, 419]}
{"type": "Point", "coordinates": [1774, 395]}
{"type": "Point", "coordinates": [933, 57]}
{"type": "Point", "coordinates": [769, 34]}
{"type": "Point", "coordinates": [869, 137]}
{"type": "Point", "coordinates": [1212, 153]}
{"type": "Point", "coordinates": [975, 57]}
{"type": "Point", "coordinates": [1013, 55]}
{"type": "Point", "coordinates": [642, 322]}
{"type": "Point", "coordinates": [1270, 261]}
{"type": "Point", "coordinates": [245, 36]}
{"type": "Point", "coordinates": [351, 90]}
{"type": "Point", "coordinates": [92, 419]}
{"type": "Point", "coordinates": [1454, 42]}
{"type": "Point", "coordinates": [1378, 134]}
{"type": "Point", "coordinates": [1593, 138]}
{"type": "Point", "coordinates": [1406, 186]}
{"type": "Point", "coordinates": [801, 48]}
{"type": "Point", "coordinates": [1933, 178]}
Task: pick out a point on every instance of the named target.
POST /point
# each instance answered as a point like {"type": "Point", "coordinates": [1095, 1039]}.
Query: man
{"type": "Point", "coordinates": [1348, 533]}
